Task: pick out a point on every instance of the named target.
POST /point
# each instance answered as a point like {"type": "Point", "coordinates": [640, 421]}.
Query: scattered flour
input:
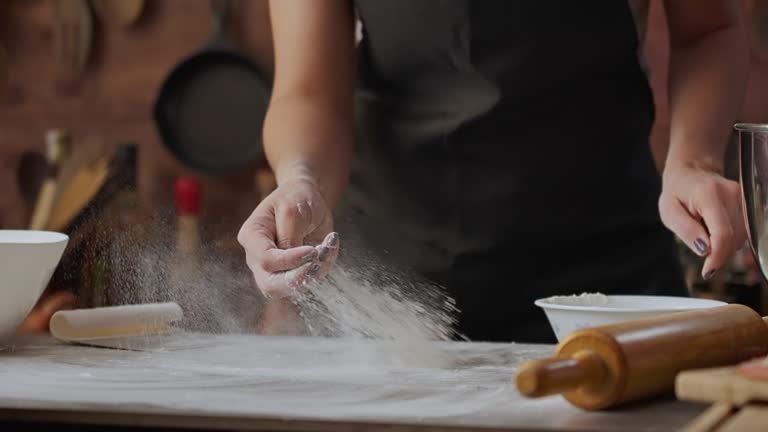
{"type": "Point", "coordinates": [216, 290]}
{"type": "Point", "coordinates": [362, 297]}
{"type": "Point", "coordinates": [374, 302]}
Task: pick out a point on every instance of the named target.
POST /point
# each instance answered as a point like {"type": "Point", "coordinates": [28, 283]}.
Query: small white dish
{"type": "Point", "coordinates": [27, 262]}
{"type": "Point", "coordinates": [567, 314]}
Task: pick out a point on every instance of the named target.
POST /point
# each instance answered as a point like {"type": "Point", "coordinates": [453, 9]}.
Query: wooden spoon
{"type": "Point", "coordinates": [78, 192]}
{"type": "Point", "coordinates": [73, 33]}
{"type": "Point", "coordinates": [122, 12]}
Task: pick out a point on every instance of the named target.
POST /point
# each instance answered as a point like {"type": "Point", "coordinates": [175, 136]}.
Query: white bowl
{"type": "Point", "coordinates": [27, 262]}
{"type": "Point", "coordinates": [567, 314]}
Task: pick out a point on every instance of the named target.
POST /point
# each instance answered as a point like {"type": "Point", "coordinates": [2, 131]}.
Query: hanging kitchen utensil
{"type": "Point", "coordinates": [78, 193]}
{"type": "Point", "coordinates": [211, 108]}
{"type": "Point", "coordinates": [86, 152]}
{"type": "Point", "coordinates": [73, 33]}
{"type": "Point", "coordinates": [122, 12]}
{"type": "Point", "coordinates": [56, 143]}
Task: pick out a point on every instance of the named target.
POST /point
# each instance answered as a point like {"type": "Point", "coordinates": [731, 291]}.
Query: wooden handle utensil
{"type": "Point", "coordinates": [601, 367]}
{"type": "Point", "coordinates": [55, 149]}
{"type": "Point", "coordinates": [122, 12]}
{"type": "Point", "coordinates": [73, 33]}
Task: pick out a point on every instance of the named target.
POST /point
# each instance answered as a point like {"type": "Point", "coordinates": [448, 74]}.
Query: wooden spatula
{"type": "Point", "coordinates": [122, 12]}
{"type": "Point", "coordinates": [719, 385]}
{"type": "Point", "coordinates": [78, 192]}
{"type": "Point", "coordinates": [739, 403]}
{"type": "Point", "coordinates": [73, 32]}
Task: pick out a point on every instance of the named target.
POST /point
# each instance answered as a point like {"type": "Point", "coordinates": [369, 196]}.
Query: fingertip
{"type": "Point", "coordinates": [322, 252]}
{"type": "Point", "coordinates": [708, 274]}
{"type": "Point", "coordinates": [710, 267]}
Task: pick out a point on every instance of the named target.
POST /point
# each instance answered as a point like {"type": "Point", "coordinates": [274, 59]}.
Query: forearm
{"type": "Point", "coordinates": [707, 83]}
{"type": "Point", "coordinates": [307, 137]}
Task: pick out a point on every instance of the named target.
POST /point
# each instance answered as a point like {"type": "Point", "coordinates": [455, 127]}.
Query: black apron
{"type": "Point", "coordinates": [502, 151]}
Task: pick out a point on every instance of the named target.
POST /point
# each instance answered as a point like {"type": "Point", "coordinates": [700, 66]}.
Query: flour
{"type": "Point", "coordinates": [361, 298]}
{"type": "Point", "coordinates": [583, 299]}
{"type": "Point", "coordinates": [364, 303]}
{"type": "Point", "coordinates": [214, 289]}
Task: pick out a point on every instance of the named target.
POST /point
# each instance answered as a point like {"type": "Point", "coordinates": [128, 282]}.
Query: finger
{"type": "Point", "coordinates": [328, 252]}
{"type": "Point", "coordinates": [278, 260]}
{"type": "Point", "coordinates": [677, 218]}
{"type": "Point", "coordinates": [293, 223]}
{"type": "Point", "coordinates": [721, 236]}
{"type": "Point", "coordinates": [288, 283]}
{"type": "Point", "coordinates": [258, 233]}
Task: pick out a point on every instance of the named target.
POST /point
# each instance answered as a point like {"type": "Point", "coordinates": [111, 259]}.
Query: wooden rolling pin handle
{"type": "Point", "coordinates": [541, 378]}
{"type": "Point", "coordinates": [765, 320]}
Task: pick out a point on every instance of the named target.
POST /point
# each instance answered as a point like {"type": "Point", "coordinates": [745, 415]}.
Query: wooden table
{"type": "Point", "coordinates": [253, 383]}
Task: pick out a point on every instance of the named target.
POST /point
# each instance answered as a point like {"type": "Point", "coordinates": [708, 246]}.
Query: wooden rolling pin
{"type": "Point", "coordinates": [602, 367]}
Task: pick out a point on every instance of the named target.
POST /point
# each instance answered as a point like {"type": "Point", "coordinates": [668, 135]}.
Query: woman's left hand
{"type": "Point", "coordinates": [704, 209]}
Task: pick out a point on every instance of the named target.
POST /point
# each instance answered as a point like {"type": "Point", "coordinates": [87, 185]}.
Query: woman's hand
{"type": "Point", "coordinates": [288, 239]}
{"type": "Point", "coordinates": [704, 209]}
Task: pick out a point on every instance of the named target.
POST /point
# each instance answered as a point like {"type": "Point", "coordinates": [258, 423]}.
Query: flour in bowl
{"type": "Point", "coordinates": [583, 299]}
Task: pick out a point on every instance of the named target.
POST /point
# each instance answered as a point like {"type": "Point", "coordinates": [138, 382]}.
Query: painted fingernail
{"type": "Point", "coordinates": [323, 253]}
{"type": "Point", "coordinates": [334, 239]}
{"type": "Point", "coordinates": [309, 257]}
{"type": "Point", "coordinates": [700, 245]}
{"type": "Point", "coordinates": [710, 275]}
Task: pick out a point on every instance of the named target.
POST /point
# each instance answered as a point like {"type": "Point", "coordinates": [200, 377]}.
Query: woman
{"type": "Point", "coordinates": [501, 148]}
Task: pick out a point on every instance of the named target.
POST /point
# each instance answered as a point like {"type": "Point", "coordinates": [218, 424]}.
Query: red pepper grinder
{"type": "Point", "coordinates": [187, 197]}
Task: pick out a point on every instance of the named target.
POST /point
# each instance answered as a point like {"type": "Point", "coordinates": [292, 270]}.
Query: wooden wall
{"type": "Point", "coordinates": [113, 97]}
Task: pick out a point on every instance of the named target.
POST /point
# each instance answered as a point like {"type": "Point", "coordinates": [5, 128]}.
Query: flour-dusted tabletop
{"type": "Point", "coordinates": [310, 384]}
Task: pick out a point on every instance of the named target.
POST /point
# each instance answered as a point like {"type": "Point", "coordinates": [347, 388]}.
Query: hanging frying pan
{"type": "Point", "coordinates": [211, 108]}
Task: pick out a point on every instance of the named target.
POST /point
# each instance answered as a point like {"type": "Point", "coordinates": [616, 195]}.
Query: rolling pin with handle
{"type": "Point", "coordinates": [602, 367]}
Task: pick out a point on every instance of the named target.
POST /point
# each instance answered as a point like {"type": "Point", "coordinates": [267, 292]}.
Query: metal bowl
{"type": "Point", "coordinates": [753, 176]}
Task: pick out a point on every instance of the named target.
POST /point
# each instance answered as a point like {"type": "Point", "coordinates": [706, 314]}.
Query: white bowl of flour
{"type": "Point", "coordinates": [27, 262]}
{"type": "Point", "coordinates": [567, 314]}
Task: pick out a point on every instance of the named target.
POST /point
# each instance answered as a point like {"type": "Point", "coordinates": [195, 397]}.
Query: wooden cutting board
{"type": "Point", "coordinates": [719, 385]}
{"type": "Point", "coordinates": [739, 403]}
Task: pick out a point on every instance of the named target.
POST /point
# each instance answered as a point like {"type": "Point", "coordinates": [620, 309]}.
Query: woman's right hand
{"type": "Point", "coordinates": [289, 239]}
